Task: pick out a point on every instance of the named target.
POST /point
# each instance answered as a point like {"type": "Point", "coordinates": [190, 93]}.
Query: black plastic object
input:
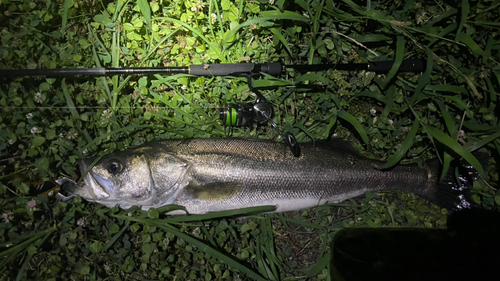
{"type": "Point", "coordinates": [273, 68]}
{"type": "Point", "coordinates": [469, 249]}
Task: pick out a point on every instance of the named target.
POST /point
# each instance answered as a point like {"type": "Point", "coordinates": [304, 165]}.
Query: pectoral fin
{"type": "Point", "coordinates": [216, 191]}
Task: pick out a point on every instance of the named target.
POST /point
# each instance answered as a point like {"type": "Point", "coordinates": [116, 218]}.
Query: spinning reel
{"type": "Point", "coordinates": [261, 112]}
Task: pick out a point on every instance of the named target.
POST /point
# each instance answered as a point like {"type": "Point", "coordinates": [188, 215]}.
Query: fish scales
{"type": "Point", "coordinates": [270, 175]}
{"type": "Point", "coordinates": [206, 175]}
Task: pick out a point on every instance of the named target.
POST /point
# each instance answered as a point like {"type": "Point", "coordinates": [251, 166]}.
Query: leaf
{"type": "Point", "coordinates": [63, 240]}
{"type": "Point", "coordinates": [405, 146]}
{"type": "Point", "coordinates": [371, 94]}
{"type": "Point", "coordinates": [400, 52]}
{"type": "Point", "coordinates": [463, 17]}
{"type": "Point", "coordinates": [354, 6]}
{"type": "Point", "coordinates": [216, 215]}
{"type": "Point", "coordinates": [102, 18]}
{"type": "Point", "coordinates": [84, 270]}
{"type": "Point", "coordinates": [77, 58]}
{"type": "Point", "coordinates": [244, 228]}
{"type": "Point", "coordinates": [145, 10]}
{"type": "Point", "coordinates": [230, 261]}
{"type": "Point", "coordinates": [282, 39]}
{"type": "Point", "coordinates": [332, 123]}
{"type": "Point", "coordinates": [460, 103]}
{"type": "Point", "coordinates": [135, 227]}
{"type": "Point", "coordinates": [473, 46]}
{"type": "Point", "coordinates": [448, 119]}
{"type": "Point", "coordinates": [113, 229]}
{"type": "Point", "coordinates": [200, 49]}
{"type": "Point", "coordinates": [446, 88]}
{"type": "Point", "coordinates": [184, 17]}
{"type": "Point", "coordinates": [69, 101]}
{"type": "Point", "coordinates": [266, 16]}
{"type": "Point", "coordinates": [134, 36]}
{"type": "Point", "coordinates": [285, 15]}
{"type": "Point", "coordinates": [475, 145]}
{"type": "Point", "coordinates": [447, 158]}
{"type": "Point", "coordinates": [443, 34]}
{"type": "Point", "coordinates": [97, 247]}
{"type": "Point", "coordinates": [213, 47]}
{"type": "Point", "coordinates": [128, 27]}
{"type": "Point", "coordinates": [272, 82]}
{"type": "Point", "coordinates": [372, 38]}
{"type": "Point", "coordinates": [313, 77]}
{"type": "Point", "coordinates": [321, 264]}
{"type": "Point", "coordinates": [302, 222]}
{"type": "Point", "coordinates": [50, 134]}
{"type": "Point", "coordinates": [225, 5]}
{"type": "Point", "coordinates": [391, 92]}
{"type": "Point", "coordinates": [456, 147]}
{"type": "Point", "coordinates": [355, 123]}
{"type": "Point", "coordinates": [190, 41]}
{"type": "Point", "coordinates": [441, 17]}
{"type": "Point", "coordinates": [137, 23]}
{"type": "Point", "coordinates": [143, 81]}
{"type": "Point", "coordinates": [67, 5]}
{"type": "Point", "coordinates": [42, 164]}
{"type": "Point", "coordinates": [153, 213]}
{"type": "Point", "coordinates": [424, 79]}
{"type": "Point", "coordinates": [303, 129]}
{"type": "Point", "coordinates": [154, 6]}
{"type": "Point", "coordinates": [84, 43]}
{"type": "Point", "coordinates": [37, 141]}
{"type": "Point", "coordinates": [44, 87]}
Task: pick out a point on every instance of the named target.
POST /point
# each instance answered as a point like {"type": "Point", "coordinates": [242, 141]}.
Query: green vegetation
{"type": "Point", "coordinates": [449, 111]}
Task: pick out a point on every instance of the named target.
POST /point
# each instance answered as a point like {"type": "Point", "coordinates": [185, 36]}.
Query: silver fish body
{"type": "Point", "coordinates": [207, 175]}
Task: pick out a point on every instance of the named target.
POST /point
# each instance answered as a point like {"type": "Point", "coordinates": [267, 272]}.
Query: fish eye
{"type": "Point", "coordinates": [114, 167]}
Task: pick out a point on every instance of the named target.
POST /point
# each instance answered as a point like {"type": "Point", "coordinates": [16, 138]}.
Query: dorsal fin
{"type": "Point", "coordinates": [337, 144]}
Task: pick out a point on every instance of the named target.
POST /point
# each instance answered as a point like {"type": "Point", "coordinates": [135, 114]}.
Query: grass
{"type": "Point", "coordinates": [449, 111]}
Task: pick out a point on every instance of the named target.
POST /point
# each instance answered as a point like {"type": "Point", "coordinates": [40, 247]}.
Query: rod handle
{"type": "Point", "coordinates": [412, 65]}
{"type": "Point", "coordinates": [228, 69]}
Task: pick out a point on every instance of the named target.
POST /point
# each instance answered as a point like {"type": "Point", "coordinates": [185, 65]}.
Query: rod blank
{"type": "Point", "coordinates": [92, 71]}
{"type": "Point", "coordinates": [412, 65]}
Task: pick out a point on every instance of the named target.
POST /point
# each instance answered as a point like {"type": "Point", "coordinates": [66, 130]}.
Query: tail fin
{"type": "Point", "coordinates": [453, 192]}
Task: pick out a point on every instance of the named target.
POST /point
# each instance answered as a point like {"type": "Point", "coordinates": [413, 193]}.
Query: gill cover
{"type": "Point", "coordinates": [142, 176]}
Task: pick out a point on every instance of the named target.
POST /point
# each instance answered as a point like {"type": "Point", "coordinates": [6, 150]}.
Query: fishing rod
{"type": "Point", "coordinates": [234, 115]}
{"type": "Point", "coordinates": [227, 69]}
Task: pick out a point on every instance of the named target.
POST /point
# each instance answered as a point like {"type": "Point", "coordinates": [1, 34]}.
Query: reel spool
{"type": "Point", "coordinates": [246, 114]}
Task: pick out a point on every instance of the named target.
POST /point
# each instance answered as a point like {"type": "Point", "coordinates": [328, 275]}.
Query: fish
{"type": "Point", "coordinates": [210, 175]}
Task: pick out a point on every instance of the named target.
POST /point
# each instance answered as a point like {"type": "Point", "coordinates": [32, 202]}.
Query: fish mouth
{"type": "Point", "coordinates": [94, 187]}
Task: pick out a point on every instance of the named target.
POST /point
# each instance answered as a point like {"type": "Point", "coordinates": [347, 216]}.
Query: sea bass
{"type": "Point", "coordinates": [208, 175]}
